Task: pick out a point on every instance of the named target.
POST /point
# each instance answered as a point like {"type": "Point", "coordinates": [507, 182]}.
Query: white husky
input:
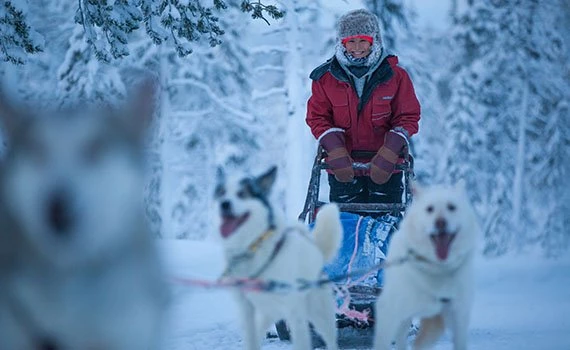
{"type": "Point", "coordinates": [78, 267]}
{"type": "Point", "coordinates": [439, 235]}
{"type": "Point", "coordinates": [259, 245]}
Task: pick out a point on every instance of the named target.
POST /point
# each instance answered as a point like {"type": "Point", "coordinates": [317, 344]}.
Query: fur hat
{"type": "Point", "coordinates": [359, 22]}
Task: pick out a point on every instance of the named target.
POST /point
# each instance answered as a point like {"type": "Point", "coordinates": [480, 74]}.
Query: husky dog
{"type": "Point", "coordinates": [78, 267]}
{"type": "Point", "coordinates": [258, 245]}
{"type": "Point", "coordinates": [434, 282]}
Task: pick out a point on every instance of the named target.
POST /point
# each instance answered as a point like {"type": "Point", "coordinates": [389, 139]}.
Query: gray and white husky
{"type": "Point", "coordinates": [78, 267]}
{"type": "Point", "coordinates": [258, 244]}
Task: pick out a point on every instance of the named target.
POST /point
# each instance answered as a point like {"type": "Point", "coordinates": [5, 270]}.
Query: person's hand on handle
{"type": "Point", "coordinates": [384, 162]}
{"type": "Point", "coordinates": [338, 158]}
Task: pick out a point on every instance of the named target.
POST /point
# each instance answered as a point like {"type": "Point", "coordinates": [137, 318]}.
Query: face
{"type": "Point", "coordinates": [241, 201]}
{"type": "Point", "coordinates": [443, 220]}
{"type": "Point", "coordinates": [358, 47]}
{"type": "Point", "coordinates": [67, 175]}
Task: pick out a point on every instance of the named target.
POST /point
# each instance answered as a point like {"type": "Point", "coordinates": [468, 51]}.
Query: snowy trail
{"type": "Point", "coordinates": [520, 304]}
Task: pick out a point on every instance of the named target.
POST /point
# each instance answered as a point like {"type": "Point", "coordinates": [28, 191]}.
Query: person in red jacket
{"type": "Point", "coordinates": [362, 100]}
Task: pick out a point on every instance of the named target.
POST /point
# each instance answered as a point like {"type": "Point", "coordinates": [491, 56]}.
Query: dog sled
{"type": "Point", "coordinates": [368, 228]}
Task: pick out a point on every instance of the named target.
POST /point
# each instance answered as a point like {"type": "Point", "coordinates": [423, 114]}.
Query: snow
{"type": "Point", "coordinates": [521, 303]}
{"type": "Point", "coordinates": [247, 98]}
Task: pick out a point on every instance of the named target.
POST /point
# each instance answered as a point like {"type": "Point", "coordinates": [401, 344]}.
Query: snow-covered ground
{"type": "Point", "coordinates": [522, 303]}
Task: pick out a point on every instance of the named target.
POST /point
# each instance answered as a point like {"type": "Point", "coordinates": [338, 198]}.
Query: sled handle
{"type": "Point", "coordinates": [366, 166]}
{"type": "Point", "coordinates": [360, 166]}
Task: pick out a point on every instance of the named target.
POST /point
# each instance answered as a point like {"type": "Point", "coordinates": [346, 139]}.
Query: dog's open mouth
{"type": "Point", "coordinates": [442, 241]}
{"type": "Point", "coordinates": [231, 223]}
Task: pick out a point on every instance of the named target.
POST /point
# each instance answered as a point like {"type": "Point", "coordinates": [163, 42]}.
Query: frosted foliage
{"type": "Point", "coordinates": [209, 122]}
{"type": "Point", "coordinates": [508, 124]}
{"type": "Point", "coordinates": [108, 24]}
{"type": "Point", "coordinates": [394, 17]}
{"type": "Point", "coordinates": [82, 77]}
{"type": "Point", "coordinates": [17, 38]}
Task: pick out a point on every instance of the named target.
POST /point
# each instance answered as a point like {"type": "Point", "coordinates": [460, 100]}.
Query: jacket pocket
{"type": "Point", "coordinates": [381, 113]}
{"type": "Point", "coordinates": [341, 110]}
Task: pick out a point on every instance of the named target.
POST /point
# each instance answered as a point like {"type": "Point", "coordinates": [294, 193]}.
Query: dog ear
{"type": "Point", "coordinates": [10, 118]}
{"type": "Point", "coordinates": [142, 99]}
{"type": "Point", "coordinates": [460, 185]}
{"type": "Point", "coordinates": [266, 180]}
{"type": "Point", "coordinates": [219, 189]}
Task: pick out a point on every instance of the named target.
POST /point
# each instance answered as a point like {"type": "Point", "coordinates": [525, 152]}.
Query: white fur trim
{"type": "Point", "coordinates": [374, 57]}
{"type": "Point", "coordinates": [328, 132]}
{"type": "Point", "coordinates": [359, 22]}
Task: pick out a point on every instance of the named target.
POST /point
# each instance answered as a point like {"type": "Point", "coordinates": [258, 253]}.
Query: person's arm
{"type": "Point", "coordinates": [406, 115]}
{"type": "Point", "coordinates": [405, 107]}
{"type": "Point", "coordinates": [320, 120]}
{"type": "Point", "coordinates": [320, 112]}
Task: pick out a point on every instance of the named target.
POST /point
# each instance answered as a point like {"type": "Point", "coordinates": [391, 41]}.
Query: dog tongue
{"type": "Point", "coordinates": [442, 242]}
{"type": "Point", "coordinates": [231, 223]}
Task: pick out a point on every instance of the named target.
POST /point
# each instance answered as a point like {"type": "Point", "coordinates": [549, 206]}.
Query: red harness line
{"type": "Point", "coordinates": [258, 285]}
{"type": "Point", "coordinates": [247, 284]}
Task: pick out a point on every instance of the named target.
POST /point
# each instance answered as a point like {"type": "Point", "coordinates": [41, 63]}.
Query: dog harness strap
{"type": "Point", "coordinates": [276, 250]}
{"type": "Point", "coordinates": [250, 251]}
{"type": "Point", "coordinates": [422, 259]}
{"type": "Point", "coordinates": [248, 254]}
{"type": "Point", "coordinates": [418, 257]}
{"type": "Point", "coordinates": [255, 245]}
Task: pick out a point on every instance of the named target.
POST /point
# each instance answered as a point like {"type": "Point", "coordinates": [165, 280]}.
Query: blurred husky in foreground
{"type": "Point", "coordinates": [78, 267]}
{"type": "Point", "coordinates": [258, 245]}
{"type": "Point", "coordinates": [439, 234]}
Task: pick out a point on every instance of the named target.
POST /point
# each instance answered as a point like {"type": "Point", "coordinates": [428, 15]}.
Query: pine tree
{"type": "Point", "coordinates": [548, 131]}
{"type": "Point", "coordinates": [17, 38]}
{"type": "Point", "coordinates": [108, 24]}
{"type": "Point", "coordinates": [207, 121]}
{"type": "Point", "coordinates": [501, 106]}
{"type": "Point", "coordinates": [283, 57]}
{"type": "Point", "coordinates": [82, 77]}
{"type": "Point", "coordinates": [394, 17]}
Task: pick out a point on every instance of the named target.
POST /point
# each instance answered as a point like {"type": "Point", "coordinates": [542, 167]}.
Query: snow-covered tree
{"type": "Point", "coordinates": [207, 121]}
{"type": "Point", "coordinates": [501, 105]}
{"type": "Point", "coordinates": [548, 126]}
{"type": "Point", "coordinates": [108, 24]}
{"type": "Point", "coordinates": [394, 18]}
{"type": "Point", "coordinates": [81, 76]}
{"type": "Point", "coordinates": [17, 37]}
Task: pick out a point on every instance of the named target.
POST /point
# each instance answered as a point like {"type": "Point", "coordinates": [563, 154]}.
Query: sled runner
{"type": "Point", "coordinates": [368, 228]}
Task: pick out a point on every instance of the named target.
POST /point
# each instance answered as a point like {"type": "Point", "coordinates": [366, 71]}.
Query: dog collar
{"type": "Point", "coordinates": [253, 247]}
{"type": "Point", "coordinates": [418, 257]}
{"type": "Point", "coordinates": [422, 259]}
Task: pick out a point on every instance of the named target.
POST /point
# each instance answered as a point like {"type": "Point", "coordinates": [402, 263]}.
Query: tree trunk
{"type": "Point", "coordinates": [520, 167]}
{"type": "Point", "coordinates": [300, 147]}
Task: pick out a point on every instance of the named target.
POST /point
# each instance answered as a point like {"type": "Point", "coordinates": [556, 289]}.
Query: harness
{"type": "Point", "coordinates": [249, 253]}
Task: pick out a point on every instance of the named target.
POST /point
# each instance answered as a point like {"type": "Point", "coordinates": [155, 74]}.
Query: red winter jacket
{"type": "Point", "coordinates": [388, 102]}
